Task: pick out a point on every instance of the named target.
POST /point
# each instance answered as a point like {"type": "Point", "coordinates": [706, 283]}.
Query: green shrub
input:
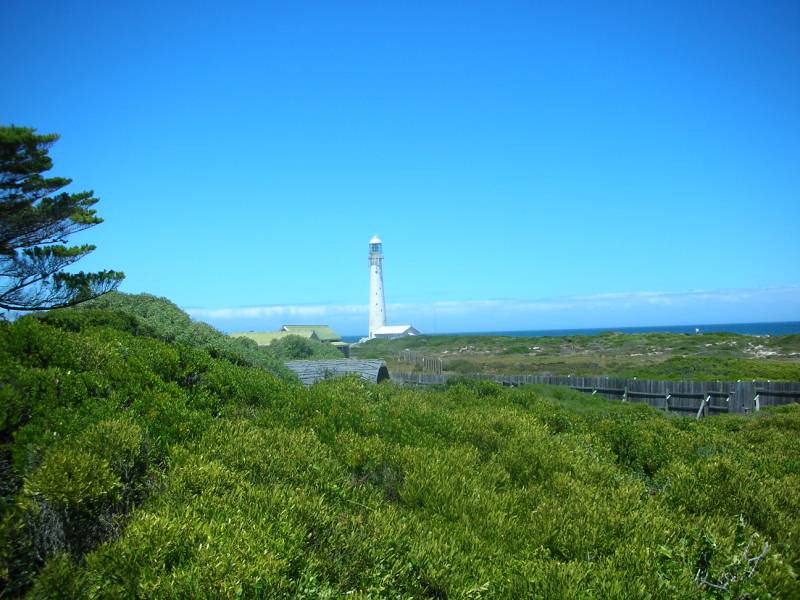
{"type": "Point", "coordinates": [701, 368]}
{"type": "Point", "coordinates": [169, 323]}
{"type": "Point", "coordinates": [641, 445]}
{"type": "Point", "coordinates": [515, 349]}
{"type": "Point", "coordinates": [141, 467]}
{"type": "Point", "coordinates": [60, 578]}
{"type": "Point", "coordinates": [73, 480]}
{"type": "Point", "coordinates": [79, 320]}
{"type": "Point", "coordinates": [480, 387]}
{"type": "Point", "coordinates": [295, 347]}
{"type": "Point", "coordinates": [68, 503]}
{"type": "Point", "coordinates": [460, 365]}
{"type": "Point", "coordinates": [121, 443]}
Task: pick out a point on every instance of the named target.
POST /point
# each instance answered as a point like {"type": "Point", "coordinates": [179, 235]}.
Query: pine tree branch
{"type": "Point", "coordinates": [35, 223]}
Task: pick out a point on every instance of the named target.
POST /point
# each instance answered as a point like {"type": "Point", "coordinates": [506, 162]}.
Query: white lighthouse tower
{"type": "Point", "coordinates": [377, 304]}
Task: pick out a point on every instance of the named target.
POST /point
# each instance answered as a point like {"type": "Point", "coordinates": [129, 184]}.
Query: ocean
{"type": "Point", "coordinates": [778, 328]}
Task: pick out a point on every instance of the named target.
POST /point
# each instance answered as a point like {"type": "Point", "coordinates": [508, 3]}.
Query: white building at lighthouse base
{"type": "Point", "coordinates": [390, 332]}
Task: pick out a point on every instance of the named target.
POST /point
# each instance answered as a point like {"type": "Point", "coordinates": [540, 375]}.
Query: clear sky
{"type": "Point", "coordinates": [528, 165]}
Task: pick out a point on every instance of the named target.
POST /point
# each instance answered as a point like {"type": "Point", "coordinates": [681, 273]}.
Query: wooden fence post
{"type": "Point", "coordinates": [700, 410]}
{"type": "Point", "coordinates": [703, 410]}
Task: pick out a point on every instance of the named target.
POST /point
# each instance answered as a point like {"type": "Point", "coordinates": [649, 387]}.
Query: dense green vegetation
{"type": "Point", "coordinates": [171, 324]}
{"type": "Point", "coordinates": [295, 347]}
{"type": "Point", "coordinates": [706, 368]}
{"type": "Point", "coordinates": [139, 462]}
{"type": "Point", "coordinates": [167, 322]}
{"type": "Point", "coordinates": [91, 403]}
{"type": "Point", "coordinates": [707, 357]}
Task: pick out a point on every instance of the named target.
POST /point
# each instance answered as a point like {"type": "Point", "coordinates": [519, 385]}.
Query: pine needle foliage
{"type": "Point", "coordinates": [36, 218]}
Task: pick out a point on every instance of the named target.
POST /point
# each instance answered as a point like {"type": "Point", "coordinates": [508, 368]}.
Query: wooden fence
{"type": "Point", "coordinates": [696, 397]}
{"type": "Point", "coordinates": [428, 364]}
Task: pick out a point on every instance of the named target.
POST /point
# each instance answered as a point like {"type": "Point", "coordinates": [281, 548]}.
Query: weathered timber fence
{"type": "Point", "coordinates": [696, 397]}
{"type": "Point", "coordinates": [431, 364]}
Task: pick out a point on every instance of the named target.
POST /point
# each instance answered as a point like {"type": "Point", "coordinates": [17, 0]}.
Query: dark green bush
{"type": "Point", "coordinates": [169, 323]}
{"type": "Point", "coordinates": [516, 349]}
{"type": "Point", "coordinates": [465, 385]}
{"type": "Point", "coordinates": [140, 467]}
{"type": "Point", "coordinates": [295, 347]}
{"type": "Point", "coordinates": [641, 445]}
{"type": "Point", "coordinates": [701, 368]}
{"type": "Point", "coordinates": [459, 365]}
{"type": "Point", "coordinates": [73, 480]}
{"type": "Point", "coordinates": [78, 320]}
{"type": "Point", "coordinates": [69, 501]}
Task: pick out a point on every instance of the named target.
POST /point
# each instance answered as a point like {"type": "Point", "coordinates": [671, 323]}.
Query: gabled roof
{"type": "Point", "coordinates": [324, 333]}
{"type": "Point", "coordinates": [396, 330]}
{"type": "Point", "coordinates": [265, 338]}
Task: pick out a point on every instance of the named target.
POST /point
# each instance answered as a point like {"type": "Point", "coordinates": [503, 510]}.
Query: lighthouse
{"type": "Point", "coordinates": [377, 304]}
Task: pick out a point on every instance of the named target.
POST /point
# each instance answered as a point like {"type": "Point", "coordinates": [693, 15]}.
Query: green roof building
{"type": "Point", "coordinates": [323, 332]}
{"type": "Point", "coordinates": [317, 333]}
{"type": "Point", "coordinates": [265, 338]}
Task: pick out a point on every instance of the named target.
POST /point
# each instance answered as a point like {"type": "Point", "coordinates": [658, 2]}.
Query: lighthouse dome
{"type": "Point", "coordinates": [375, 240]}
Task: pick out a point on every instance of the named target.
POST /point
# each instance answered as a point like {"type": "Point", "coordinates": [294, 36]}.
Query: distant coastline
{"type": "Point", "coordinates": [776, 328]}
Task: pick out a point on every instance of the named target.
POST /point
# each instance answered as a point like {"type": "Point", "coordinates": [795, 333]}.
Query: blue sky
{"type": "Point", "coordinates": [527, 165]}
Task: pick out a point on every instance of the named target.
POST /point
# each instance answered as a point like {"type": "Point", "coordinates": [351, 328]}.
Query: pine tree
{"type": "Point", "coordinates": [35, 222]}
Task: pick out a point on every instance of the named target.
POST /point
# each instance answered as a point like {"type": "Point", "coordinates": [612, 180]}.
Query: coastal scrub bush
{"type": "Point", "coordinates": [516, 349]}
{"type": "Point", "coordinates": [169, 323]}
{"type": "Point", "coordinates": [146, 468]}
{"type": "Point", "coordinates": [68, 503]}
{"type": "Point", "coordinates": [295, 347]}
{"type": "Point", "coordinates": [701, 368]}
{"type": "Point", "coordinates": [78, 320]}
{"type": "Point", "coordinates": [460, 365]}
{"type": "Point", "coordinates": [73, 481]}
